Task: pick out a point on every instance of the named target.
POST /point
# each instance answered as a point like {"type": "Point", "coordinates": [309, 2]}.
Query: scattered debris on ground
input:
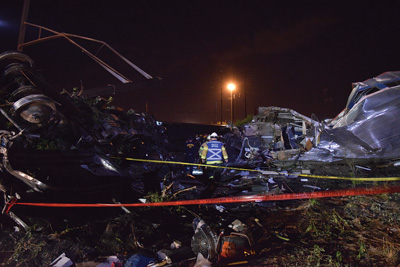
{"type": "Point", "coordinates": [347, 231]}
{"type": "Point", "coordinates": [65, 148]}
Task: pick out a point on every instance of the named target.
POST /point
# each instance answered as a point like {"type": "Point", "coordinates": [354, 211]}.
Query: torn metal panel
{"type": "Point", "coordinates": [369, 130]}
{"type": "Point", "coordinates": [370, 86]}
{"type": "Point", "coordinates": [361, 89]}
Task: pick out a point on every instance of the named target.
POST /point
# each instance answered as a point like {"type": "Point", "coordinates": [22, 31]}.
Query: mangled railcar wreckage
{"type": "Point", "coordinates": [366, 130]}
{"type": "Point", "coordinates": [282, 143]}
{"type": "Point", "coordinates": [62, 147]}
{"type": "Point", "coordinates": [274, 130]}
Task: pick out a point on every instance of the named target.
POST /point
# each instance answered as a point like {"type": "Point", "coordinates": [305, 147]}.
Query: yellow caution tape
{"type": "Point", "coordinates": [368, 179]}
{"type": "Point", "coordinates": [281, 237]}
{"type": "Point", "coordinates": [192, 164]}
{"type": "Point", "coordinates": [237, 263]}
{"type": "Point", "coordinates": [373, 179]}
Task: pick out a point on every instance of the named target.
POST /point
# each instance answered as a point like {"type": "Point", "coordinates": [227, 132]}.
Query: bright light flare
{"type": "Point", "coordinates": [231, 86]}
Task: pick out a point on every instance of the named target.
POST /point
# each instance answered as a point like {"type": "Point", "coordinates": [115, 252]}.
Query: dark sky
{"type": "Point", "coordinates": [298, 54]}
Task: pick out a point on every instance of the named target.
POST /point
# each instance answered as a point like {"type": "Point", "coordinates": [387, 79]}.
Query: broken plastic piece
{"type": "Point", "coordinates": [312, 186]}
{"type": "Point", "coordinates": [112, 261]}
{"type": "Point", "coordinates": [176, 244]}
{"type": "Point", "coordinates": [238, 226]}
{"type": "Point", "coordinates": [363, 168]}
{"type": "Point", "coordinates": [197, 172]}
{"type": "Point", "coordinates": [140, 259]}
{"type": "Point", "coordinates": [62, 261]}
{"type": "Point", "coordinates": [220, 208]}
{"type": "Point", "coordinates": [201, 261]}
{"type": "Point", "coordinates": [122, 207]}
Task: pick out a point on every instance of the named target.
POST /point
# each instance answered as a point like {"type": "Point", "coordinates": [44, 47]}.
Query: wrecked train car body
{"type": "Point", "coordinates": [370, 129]}
{"type": "Point", "coordinates": [367, 128]}
{"type": "Point", "coordinates": [60, 146]}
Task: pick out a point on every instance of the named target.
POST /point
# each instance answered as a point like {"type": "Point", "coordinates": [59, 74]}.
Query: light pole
{"type": "Point", "coordinates": [231, 87]}
{"type": "Point", "coordinates": [222, 86]}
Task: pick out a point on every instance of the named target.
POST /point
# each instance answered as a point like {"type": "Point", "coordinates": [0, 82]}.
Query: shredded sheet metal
{"type": "Point", "coordinates": [371, 129]}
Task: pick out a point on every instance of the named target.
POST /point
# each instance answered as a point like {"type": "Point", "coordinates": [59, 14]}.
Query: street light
{"type": "Point", "coordinates": [231, 87]}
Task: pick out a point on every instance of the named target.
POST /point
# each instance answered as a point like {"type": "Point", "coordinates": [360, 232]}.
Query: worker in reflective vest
{"type": "Point", "coordinates": [202, 147]}
{"type": "Point", "coordinates": [214, 153]}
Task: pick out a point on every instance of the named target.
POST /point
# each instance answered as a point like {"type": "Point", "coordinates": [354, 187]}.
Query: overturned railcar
{"type": "Point", "coordinates": [63, 147]}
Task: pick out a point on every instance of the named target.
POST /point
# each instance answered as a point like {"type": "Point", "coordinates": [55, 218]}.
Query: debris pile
{"type": "Point", "coordinates": [366, 131]}
{"type": "Point", "coordinates": [62, 147]}
{"type": "Point", "coordinates": [355, 231]}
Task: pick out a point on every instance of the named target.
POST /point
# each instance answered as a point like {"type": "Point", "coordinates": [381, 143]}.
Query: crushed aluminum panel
{"type": "Point", "coordinates": [382, 81]}
{"type": "Point", "coordinates": [371, 129]}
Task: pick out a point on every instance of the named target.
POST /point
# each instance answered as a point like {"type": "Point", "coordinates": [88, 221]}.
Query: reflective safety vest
{"type": "Point", "coordinates": [202, 148]}
{"type": "Point", "coordinates": [215, 153]}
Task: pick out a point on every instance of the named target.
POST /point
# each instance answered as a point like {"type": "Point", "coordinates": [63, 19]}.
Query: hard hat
{"type": "Point", "coordinates": [214, 135]}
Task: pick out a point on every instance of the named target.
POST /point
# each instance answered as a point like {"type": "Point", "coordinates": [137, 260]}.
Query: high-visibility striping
{"type": "Point", "coordinates": [366, 179]}
{"type": "Point", "coordinates": [236, 199]}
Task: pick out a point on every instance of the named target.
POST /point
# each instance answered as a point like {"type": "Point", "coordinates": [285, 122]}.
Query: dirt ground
{"type": "Point", "coordinates": [342, 231]}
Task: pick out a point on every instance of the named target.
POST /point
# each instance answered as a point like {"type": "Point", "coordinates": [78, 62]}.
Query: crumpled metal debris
{"type": "Point", "coordinates": [366, 129]}
{"type": "Point", "coordinates": [64, 143]}
{"type": "Point", "coordinates": [370, 129]}
{"type": "Point", "coordinates": [276, 129]}
{"type": "Point", "coordinates": [61, 261]}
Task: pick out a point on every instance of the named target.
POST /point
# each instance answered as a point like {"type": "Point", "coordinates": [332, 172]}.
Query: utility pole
{"type": "Point", "coordinates": [22, 27]}
{"type": "Point", "coordinates": [216, 111]}
{"type": "Point", "coordinates": [222, 88]}
{"type": "Point", "coordinates": [245, 103]}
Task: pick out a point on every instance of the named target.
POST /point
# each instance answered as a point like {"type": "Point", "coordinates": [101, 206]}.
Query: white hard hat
{"type": "Point", "coordinates": [214, 135]}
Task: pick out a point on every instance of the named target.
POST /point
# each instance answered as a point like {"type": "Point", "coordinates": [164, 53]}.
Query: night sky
{"type": "Point", "coordinates": [299, 54]}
